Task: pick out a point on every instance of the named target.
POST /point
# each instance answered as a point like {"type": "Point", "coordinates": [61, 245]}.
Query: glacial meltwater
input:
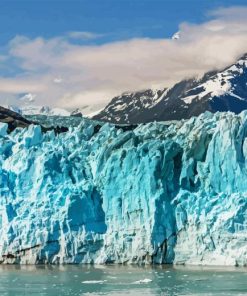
{"type": "Point", "coordinates": [121, 280]}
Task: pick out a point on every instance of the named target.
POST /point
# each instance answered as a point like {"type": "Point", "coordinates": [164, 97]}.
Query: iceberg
{"type": "Point", "coordinates": [162, 192]}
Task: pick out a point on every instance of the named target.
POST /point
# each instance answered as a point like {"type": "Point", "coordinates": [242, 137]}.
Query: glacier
{"type": "Point", "coordinates": [162, 192]}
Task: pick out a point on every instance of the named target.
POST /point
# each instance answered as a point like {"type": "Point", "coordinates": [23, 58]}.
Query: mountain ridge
{"type": "Point", "coordinates": [223, 90]}
{"type": "Point", "coordinates": [38, 110]}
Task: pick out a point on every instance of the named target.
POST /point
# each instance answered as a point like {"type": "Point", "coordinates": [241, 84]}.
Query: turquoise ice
{"type": "Point", "coordinates": [168, 192]}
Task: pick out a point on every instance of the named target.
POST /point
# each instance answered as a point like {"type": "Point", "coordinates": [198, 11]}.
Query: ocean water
{"type": "Point", "coordinates": [121, 280]}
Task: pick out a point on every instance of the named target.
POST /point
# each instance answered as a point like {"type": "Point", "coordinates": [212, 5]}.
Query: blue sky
{"type": "Point", "coordinates": [116, 19]}
{"type": "Point", "coordinates": [77, 53]}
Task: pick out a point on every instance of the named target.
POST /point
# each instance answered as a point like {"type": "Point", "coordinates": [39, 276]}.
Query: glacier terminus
{"type": "Point", "coordinates": [161, 192]}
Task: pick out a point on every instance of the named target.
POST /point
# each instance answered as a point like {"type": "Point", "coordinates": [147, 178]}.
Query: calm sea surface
{"type": "Point", "coordinates": [121, 280]}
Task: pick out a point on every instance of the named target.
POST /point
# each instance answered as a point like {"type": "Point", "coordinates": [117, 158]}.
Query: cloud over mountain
{"type": "Point", "coordinates": [94, 74]}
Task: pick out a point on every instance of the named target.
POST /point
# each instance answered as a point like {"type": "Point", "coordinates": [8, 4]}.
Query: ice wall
{"type": "Point", "coordinates": [160, 193]}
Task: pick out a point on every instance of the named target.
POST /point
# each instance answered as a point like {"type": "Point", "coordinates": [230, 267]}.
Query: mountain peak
{"type": "Point", "coordinates": [176, 36]}
{"type": "Point", "coordinates": [224, 90]}
{"type": "Point", "coordinates": [38, 110]}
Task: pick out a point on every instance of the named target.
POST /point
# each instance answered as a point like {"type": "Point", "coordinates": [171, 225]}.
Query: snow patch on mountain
{"type": "Point", "coordinates": [92, 114]}
{"type": "Point", "coordinates": [38, 110]}
{"type": "Point", "coordinates": [215, 87]}
{"type": "Point", "coordinates": [219, 85]}
{"type": "Point", "coordinates": [176, 36]}
{"type": "Point", "coordinates": [13, 108]}
{"type": "Point", "coordinates": [88, 111]}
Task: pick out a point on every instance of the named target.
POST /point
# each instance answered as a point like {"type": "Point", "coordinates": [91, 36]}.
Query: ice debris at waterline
{"type": "Point", "coordinates": [160, 193]}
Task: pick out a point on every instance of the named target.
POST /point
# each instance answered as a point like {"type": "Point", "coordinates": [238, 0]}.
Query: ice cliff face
{"type": "Point", "coordinates": [160, 193]}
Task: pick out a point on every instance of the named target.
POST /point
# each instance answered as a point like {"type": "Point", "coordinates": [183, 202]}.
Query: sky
{"type": "Point", "coordinates": [78, 53]}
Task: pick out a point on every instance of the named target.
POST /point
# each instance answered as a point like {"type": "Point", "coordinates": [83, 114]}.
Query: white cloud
{"type": "Point", "coordinates": [29, 98]}
{"type": "Point", "coordinates": [83, 35]}
{"type": "Point", "coordinates": [58, 80]}
{"type": "Point", "coordinates": [3, 58]}
{"type": "Point", "coordinates": [94, 74]}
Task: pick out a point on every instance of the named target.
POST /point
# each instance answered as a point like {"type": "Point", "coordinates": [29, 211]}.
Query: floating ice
{"type": "Point", "coordinates": [94, 282]}
{"type": "Point", "coordinates": [145, 281]}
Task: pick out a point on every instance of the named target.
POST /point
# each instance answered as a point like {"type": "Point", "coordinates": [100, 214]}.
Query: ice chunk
{"type": "Point", "coordinates": [144, 281]}
{"type": "Point", "coordinates": [3, 129]}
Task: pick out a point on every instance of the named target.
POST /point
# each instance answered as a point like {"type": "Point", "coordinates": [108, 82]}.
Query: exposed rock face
{"type": "Point", "coordinates": [160, 193]}
{"type": "Point", "coordinates": [77, 113]}
{"type": "Point", "coordinates": [13, 119]}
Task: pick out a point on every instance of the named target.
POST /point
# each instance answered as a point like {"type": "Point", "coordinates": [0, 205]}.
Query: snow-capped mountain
{"type": "Point", "coordinates": [224, 90]}
{"type": "Point", "coordinates": [44, 110]}
{"type": "Point", "coordinates": [77, 113]}
{"type": "Point", "coordinates": [88, 110]}
{"type": "Point", "coordinates": [129, 107]}
{"type": "Point", "coordinates": [176, 36]}
{"type": "Point", "coordinates": [38, 110]}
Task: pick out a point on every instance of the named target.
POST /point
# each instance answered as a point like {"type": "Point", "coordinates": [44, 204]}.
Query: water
{"type": "Point", "coordinates": [121, 280]}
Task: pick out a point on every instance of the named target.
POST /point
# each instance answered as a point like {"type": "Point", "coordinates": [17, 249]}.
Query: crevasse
{"type": "Point", "coordinates": [161, 193]}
